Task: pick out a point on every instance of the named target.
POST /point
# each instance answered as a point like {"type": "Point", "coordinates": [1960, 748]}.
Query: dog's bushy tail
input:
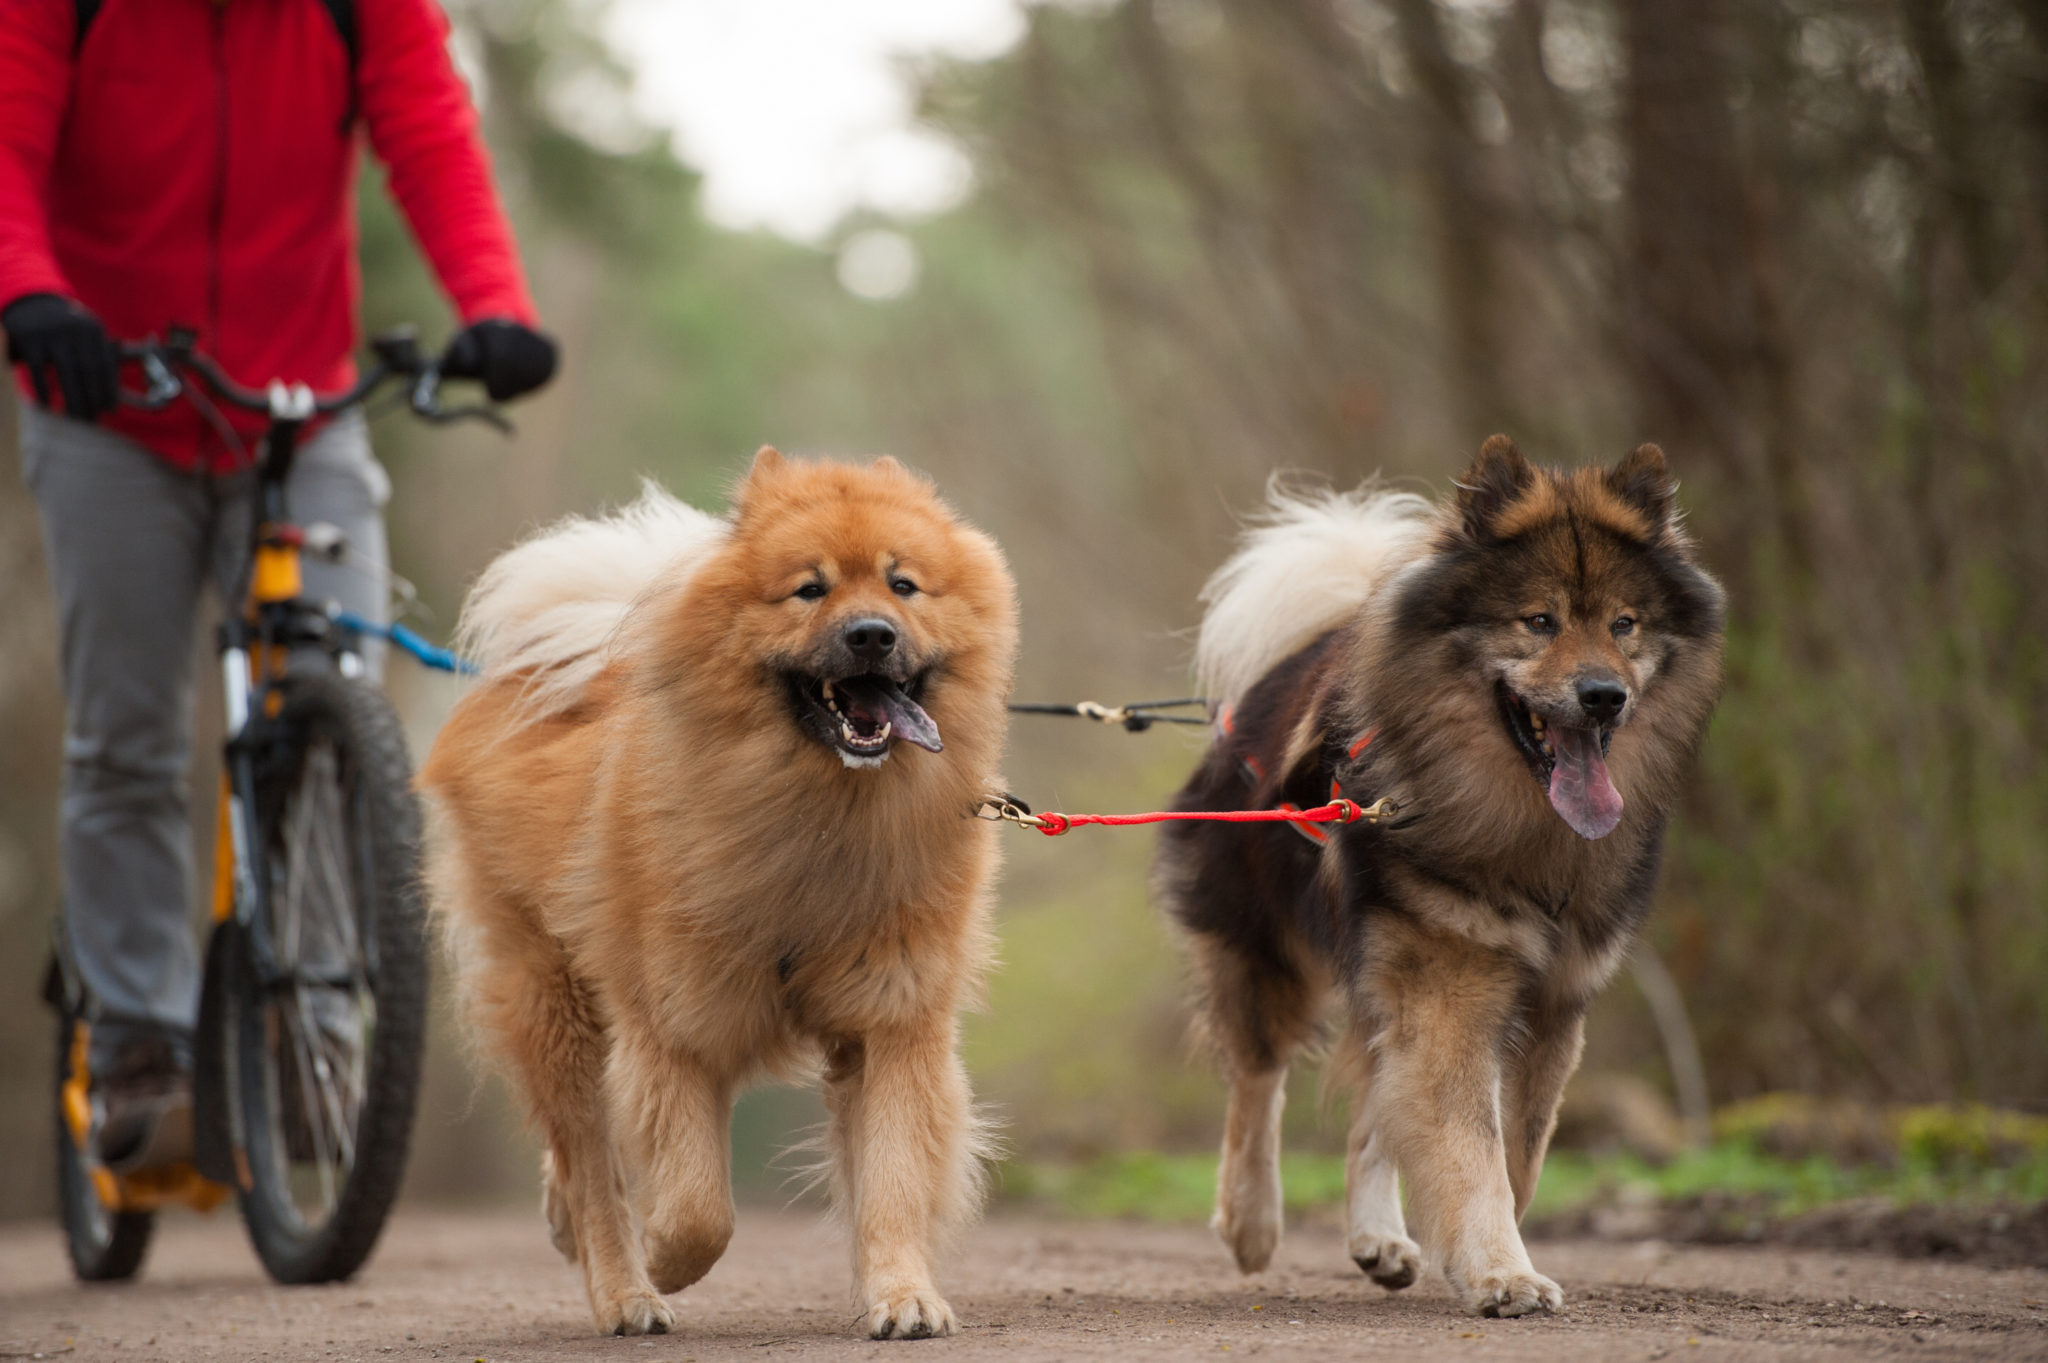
{"type": "Point", "coordinates": [1304, 565]}
{"type": "Point", "coordinates": [549, 607]}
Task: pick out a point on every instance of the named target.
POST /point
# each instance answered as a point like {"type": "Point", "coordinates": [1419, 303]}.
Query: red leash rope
{"type": "Point", "coordinates": [1007, 810]}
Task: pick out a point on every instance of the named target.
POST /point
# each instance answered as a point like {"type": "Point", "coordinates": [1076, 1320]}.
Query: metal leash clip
{"type": "Point", "coordinates": [1379, 811]}
{"type": "Point", "coordinates": [1003, 807]}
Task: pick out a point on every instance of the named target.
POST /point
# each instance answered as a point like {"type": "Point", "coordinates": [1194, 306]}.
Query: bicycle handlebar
{"type": "Point", "coordinates": [166, 365]}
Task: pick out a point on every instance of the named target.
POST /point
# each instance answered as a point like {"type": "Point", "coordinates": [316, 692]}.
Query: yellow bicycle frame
{"type": "Point", "coordinates": [276, 578]}
{"type": "Point", "coordinates": [144, 1190]}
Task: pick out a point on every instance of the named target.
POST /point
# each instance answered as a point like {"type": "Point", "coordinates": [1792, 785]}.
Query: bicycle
{"type": "Point", "coordinates": [306, 1058]}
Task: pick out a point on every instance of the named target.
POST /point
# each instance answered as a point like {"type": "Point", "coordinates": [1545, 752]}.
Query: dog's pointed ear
{"type": "Point", "coordinates": [1642, 481]}
{"type": "Point", "coordinates": [768, 465]}
{"type": "Point", "coordinates": [1497, 477]}
{"type": "Point", "coordinates": [887, 464]}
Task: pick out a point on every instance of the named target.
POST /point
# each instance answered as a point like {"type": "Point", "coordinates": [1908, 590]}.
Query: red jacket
{"type": "Point", "coordinates": [188, 166]}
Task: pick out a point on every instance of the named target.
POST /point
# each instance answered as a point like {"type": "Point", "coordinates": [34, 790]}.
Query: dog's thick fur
{"type": "Point", "coordinates": [662, 874]}
{"type": "Point", "coordinates": [1464, 940]}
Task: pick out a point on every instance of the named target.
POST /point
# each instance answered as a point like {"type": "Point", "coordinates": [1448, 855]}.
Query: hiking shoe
{"type": "Point", "coordinates": [144, 1099]}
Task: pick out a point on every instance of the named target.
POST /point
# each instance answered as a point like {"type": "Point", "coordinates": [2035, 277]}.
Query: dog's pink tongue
{"type": "Point", "coordinates": [875, 699]}
{"type": "Point", "coordinates": [909, 722]}
{"type": "Point", "coordinates": [1580, 789]}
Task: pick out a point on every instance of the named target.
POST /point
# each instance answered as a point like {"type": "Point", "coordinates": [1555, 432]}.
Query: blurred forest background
{"type": "Point", "coordinates": [1803, 245]}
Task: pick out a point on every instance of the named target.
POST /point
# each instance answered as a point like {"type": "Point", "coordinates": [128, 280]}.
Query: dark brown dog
{"type": "Point", "coordinates": [1527, 671]}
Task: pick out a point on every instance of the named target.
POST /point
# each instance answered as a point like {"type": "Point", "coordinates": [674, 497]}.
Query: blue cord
{"type": "Point", "coordinates": [431, 654]}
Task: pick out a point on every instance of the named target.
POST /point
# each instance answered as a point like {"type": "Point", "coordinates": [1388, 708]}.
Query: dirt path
{"type": "Point", "coordinates": [485, 1286]}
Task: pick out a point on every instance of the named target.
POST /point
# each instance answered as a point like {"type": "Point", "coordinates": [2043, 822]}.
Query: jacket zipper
{"type": "Point", "coordinates": [217, 215]}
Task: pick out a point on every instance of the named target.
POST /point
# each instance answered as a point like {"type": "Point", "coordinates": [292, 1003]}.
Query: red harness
{"type": "Point", "coordinates": [1315, 832]}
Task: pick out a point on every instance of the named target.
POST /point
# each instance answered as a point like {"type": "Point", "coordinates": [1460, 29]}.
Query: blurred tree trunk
{"type": "Point", "coordinates": [1289, 397]}
{"type": "Point", "coordinates": [1054, 186]}
{"type": "Point", "coordinates": [1958, 174]}
{"type": "Point", "coordinates": [1296, 218]}
{"type": "Point", "coordinates": [1954, 269]}
{"type": "Point", "coordinates": [1705, 320]}
{"type": "Point", "coordinates": [2034, 100]}
{"type": "Point", "coordinates": [1468, 220]}
{"type": "Point", "coordinates": [1773, 202]}
{"type": "Point", "coordinates": [1691, 308]}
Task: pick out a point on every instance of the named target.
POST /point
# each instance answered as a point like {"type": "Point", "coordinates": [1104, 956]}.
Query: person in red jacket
{"type": "Point", "coordinates": [191, 163]}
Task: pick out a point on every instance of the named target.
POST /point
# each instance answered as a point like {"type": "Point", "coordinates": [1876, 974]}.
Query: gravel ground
{"type": "Point", "coordinates": [467, 1286]}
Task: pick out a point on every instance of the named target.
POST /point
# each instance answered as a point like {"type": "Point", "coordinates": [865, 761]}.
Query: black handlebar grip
{"type": "Point", "coordinates": [398, 349]}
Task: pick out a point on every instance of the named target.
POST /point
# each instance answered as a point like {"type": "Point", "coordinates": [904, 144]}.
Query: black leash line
{"type": "Point", "coordinates": [1136, 717]}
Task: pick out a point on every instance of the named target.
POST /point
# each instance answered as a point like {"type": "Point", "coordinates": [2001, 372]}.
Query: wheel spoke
{"type": "Point", "coordinates": [337, 1097]}
{"type": "Point", "coordinates": [316, 1126]}
{"type": "Point", "coordinates": [318, 944]}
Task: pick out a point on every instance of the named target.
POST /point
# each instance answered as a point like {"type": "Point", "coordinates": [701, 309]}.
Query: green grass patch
{"type": "Point", "coordinates": [1149, 1186]}
{"type": "Point", "coordinates": [1951, 1156]}
{"type": "Point", "coordinates": [1780, 1185]}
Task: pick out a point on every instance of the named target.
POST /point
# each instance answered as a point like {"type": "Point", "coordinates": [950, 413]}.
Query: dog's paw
{"type": "Point", "coordinates": [633, 1312]}
{"type": "Point", "coordinates": [916, 1314]}
{"type": "Point", "coordinates": [677, 1258]}
{"type": "Point", "coordinates": [1251, 1236]}
{"type": "Point", "coordinates": [1513, 1292]}
{"type": "Point", "coordinates": [1392, 1261]}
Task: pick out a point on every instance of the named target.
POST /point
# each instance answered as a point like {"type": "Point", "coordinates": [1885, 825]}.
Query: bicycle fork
{"type": "Point", "coordinates": [240, 894]}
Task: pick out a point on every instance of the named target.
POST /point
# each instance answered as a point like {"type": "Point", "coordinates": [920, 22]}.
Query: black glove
{"type": "Point", "coordinates": [50, 331]}
{"type": "Point", "coordinates": [511, 359]}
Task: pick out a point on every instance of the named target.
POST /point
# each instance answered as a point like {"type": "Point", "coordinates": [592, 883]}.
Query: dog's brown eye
{"type": "Point", "coordinates": [1625, 625]}
{"type": "Point", "coordinates": [811, 591]}
{"type": "Point", "coordinates": [1542, 624]}
{"type": "Point", "coordinates": [903, 586]}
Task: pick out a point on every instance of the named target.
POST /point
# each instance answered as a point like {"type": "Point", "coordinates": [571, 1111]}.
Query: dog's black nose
{"type": "Point", "coordinates": [1602, 699]}
{"type": "Point", "coordinates": [871, 639]}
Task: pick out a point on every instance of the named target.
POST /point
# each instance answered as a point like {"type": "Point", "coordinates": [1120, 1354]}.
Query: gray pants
{"type": "Point", "coordinates": [132, 543]}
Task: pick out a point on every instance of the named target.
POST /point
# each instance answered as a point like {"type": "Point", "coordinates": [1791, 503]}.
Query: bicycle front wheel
{"type": "Point", "coordinates": [326, 994]}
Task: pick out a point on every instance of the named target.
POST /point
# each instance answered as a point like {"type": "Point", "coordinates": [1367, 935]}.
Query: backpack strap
{"type": "Point", "coordinates": [83, 13]}
{"type": "Point", "coordinates": [343, 12]}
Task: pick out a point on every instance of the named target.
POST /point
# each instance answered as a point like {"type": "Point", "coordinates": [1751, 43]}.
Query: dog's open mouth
{"type": "Point", "coordinates": [1570, 761]}
{"type": "Point", "coordinates": [862, 715]}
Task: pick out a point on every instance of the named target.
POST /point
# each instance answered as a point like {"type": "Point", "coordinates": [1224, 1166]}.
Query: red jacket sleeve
{"type": "Point", "coordinates": [35, 86]}
{"type": "Point", "coordinates": [424, 128]}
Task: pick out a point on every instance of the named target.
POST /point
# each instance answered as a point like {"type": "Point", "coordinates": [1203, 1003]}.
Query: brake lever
{"type": "Point", "coordinates": [164, 384]}
{"type": "Point", "coordinates": [426, 404]}
{"type": "Point", "coordinates": [490, 416]}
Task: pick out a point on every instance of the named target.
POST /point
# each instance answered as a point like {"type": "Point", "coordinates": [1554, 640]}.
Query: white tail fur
{"type": "Point", "coordinates": [550, 605]}
{"type": "Point", "coordinates": [1304, 565]}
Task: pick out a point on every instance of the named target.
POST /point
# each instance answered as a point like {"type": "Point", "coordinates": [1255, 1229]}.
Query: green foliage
{"type": "Point", "coordinates": [1150, 1186]}
{"type": "Point", "coordinates": [1967, 1154]}
{"type": "Point", "coordinates": [1959, 1138]}
{"type": "Point", "coordinates": [1970, 1137]}
{"type": "Point", "coordinates": [1572, 1180]}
